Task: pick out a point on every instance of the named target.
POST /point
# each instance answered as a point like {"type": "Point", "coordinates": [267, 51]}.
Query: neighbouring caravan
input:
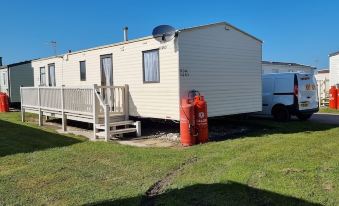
{"type": "Point", "coordinates": [219, 60]}
{"type": "Point", "coordinates": [334, 68]}
{"type": "Point", "coordinates": [13, 76]}
{"type": "Point", "coordinates": [323, 81]}
{"type": "Point", "coordinates": [283, 67]}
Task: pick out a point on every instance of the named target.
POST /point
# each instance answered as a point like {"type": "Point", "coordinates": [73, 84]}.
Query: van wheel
{"type": "Point", "coordinates": [304, 117]}
{"type": "Point", "coordinates": [281, 114]}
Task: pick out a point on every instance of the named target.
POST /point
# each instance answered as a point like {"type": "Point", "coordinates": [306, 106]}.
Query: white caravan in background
{"type": "Point", "coordinates": [287, 94]}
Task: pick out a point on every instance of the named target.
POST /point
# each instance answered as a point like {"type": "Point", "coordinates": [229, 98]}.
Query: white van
{"type": "Point", "coordinates": [286, 94]}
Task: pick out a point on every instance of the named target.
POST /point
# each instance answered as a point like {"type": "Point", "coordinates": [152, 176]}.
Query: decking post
{"type": "Point", "coordinates": [23, 118]}
{"type": "Point", "coordinates": [63, 115]}
{"type": "Point", "coordinates": [64, 122]}
{"type": "Point", "coordinates": [126, 102]}
{"type": "Point", "coordinates": [138, 128]}
{"type": "Point", "coordinates": [95, 114]}
{"type": "Point", "coordinates": [22, 108]}
{"type": "Point", "coordinates": [106, 119]}
{"type": "Point", "coordinates": [40, 112]}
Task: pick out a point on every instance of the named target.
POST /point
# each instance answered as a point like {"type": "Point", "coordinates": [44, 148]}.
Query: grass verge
{"type": "Point", "coordinates": [294, 163]}
{"type": "Point", "coordinates": [328, 110]}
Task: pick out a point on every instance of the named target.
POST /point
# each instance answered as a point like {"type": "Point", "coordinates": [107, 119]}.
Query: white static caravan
{"type": "Point", "coordinates": [13, 76]}
{"type": "Point", "coordinates": [285, 67]}
{"type": "Point", "coordinates": [334, 68]}
{"type": "Point", "coordinates": [219, 60]}
{"type": "Point", "coordinates": [323, 82]}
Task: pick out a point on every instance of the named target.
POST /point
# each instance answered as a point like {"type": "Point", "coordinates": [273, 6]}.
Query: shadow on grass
{"type": "Point", "coordinates": [16, 138]}
{"type": "Point", "coordinates": [230, 193]}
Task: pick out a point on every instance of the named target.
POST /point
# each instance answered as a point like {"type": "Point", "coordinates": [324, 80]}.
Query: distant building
{"type": "Point", "coordinates": [334, 68]}
{"type": "Point", "coordinates": [323, 82]}
{"type": "Point", "coordinates": [322, 74]}
{"type": "Point", "coordinates": [283, 67]}
{"type": "Point", "coordinates": [12, 76]}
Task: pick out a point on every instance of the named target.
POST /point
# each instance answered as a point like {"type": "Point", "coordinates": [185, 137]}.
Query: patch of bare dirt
{"type": "Point", "coordinates": [159, 187]}
{"type": "Point", "coordinates": [159, 133]}
{"type": "Point", "coordinates": [254, 179]}
{"type": "Point", "coordinates": [328, 186]}
{"type": "Point", "coordinates": [287, 171]}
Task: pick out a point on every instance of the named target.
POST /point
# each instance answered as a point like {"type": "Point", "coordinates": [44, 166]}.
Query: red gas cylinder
{"type": "Point", "coordinates": [337, 96]}
{"type": "Point", "coordinates": [187, 137]}
{"type": "Point", "coordinates": [201, 124]}
{"type": "Point", "coordinates": [4, 106]}
{"type": "Point", "coordinates": [333, 97]}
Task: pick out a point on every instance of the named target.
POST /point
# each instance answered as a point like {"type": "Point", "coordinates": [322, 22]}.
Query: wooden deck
{"type": "Point", "coordinates": [104, 106]}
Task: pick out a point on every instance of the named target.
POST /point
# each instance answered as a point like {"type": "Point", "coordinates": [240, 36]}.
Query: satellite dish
{"type": "Point", "coordinates": [164, 33]}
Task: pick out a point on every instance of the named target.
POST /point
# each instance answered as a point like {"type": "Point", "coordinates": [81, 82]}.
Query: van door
{"type": "Point", "coordinates": [283, 90]}
{"type": "Point", "coordinates": [307, 92]}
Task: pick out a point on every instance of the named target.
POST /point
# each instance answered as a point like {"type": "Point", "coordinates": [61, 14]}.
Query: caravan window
{"type": "Point", "coordinates": [151, 66]}
{"type": "Point", "coordinates": [82, 71]}
{"type": "Point", "coordinates": [42, 76]}
{"type": "Point", "coordinates": [51, 75]}
{"type": "Point", "coordinates": [4, 78]}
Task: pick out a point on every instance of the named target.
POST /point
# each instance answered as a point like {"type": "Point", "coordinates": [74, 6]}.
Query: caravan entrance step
{"type": "Point", "coordinates": [114, 124]}
{"type": "Point", "coordinates": [117, 131]}
{"type": "Point", "coordinates": [122, 131]}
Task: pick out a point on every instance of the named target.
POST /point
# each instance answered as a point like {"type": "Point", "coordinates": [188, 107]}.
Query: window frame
{"type": "Point", "coordinates": [102, 75]}
{"type": "Point", "coordinates": [48, 66]}
{"type": "Point", "coordinates": [4, 76]}
{"type": "Point", "coordinates": [143, 66]}
{"type": "Point", "coordinates": [85, 72]}
{"type": "Point", "coordinates": [44, 68]}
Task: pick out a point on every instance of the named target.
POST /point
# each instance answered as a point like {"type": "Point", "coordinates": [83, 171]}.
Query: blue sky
{"type": "Point", "coordinates": [294, 31]}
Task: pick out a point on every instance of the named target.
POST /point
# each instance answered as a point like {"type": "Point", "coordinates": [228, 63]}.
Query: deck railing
{"type": "Point", "coordinates": [76, 100]}
{"type": "Point", "coordinates": [72, 100]}
{"type": "Point", "coordinates": [86, 103]}
{"type": "Point", "coordinates": [114, 97]}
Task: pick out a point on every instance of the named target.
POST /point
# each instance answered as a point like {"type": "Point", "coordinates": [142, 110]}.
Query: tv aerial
{"type": "Point", "coordinates": [164, 33]}
{"type": "Point", "coordinates": [53, 44]}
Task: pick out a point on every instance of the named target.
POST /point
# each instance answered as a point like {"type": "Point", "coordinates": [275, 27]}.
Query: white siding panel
{"type": "Point", "coordinates": [155, 100]}
{"type": "Point", "coordinates": [334, 70]}
{"type": "Point", "coordinates": [225, 66]}
{"type": "Point", "coordinates": [58, 61]}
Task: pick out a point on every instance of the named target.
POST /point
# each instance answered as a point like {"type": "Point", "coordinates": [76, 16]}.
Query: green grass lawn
{"type": "Point", "coordinates": [328, 110]}
{"type": "Point", "coordinates": [294, 163]}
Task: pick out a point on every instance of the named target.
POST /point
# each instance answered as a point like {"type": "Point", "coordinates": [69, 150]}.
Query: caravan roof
{"type": "Point", "coordinates": [150, 37]}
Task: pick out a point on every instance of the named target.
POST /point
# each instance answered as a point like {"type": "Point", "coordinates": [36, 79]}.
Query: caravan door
{"type": "Point", "coordinates": [107, 78]}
